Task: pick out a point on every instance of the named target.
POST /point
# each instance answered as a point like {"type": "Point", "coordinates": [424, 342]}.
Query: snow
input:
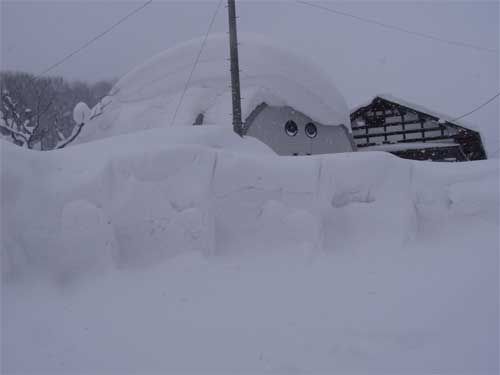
{"type": "Point", "coordinates": [442, 118]}
{"type": "Point", "coordinates": [81, 113]}
{"type": "Point", "coordinates": [162, 247]}
{"type": "Point", "coordinates": [8, 128]}
{"type": "Point", "coordinates": [192, 250]}
{"type": "Point", "coordinates": [149, 95]}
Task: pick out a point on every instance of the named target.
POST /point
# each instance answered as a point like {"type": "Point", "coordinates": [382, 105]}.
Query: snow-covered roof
{"type": "Point", "coordinates": [417, 107]}
{"type": "Point", "coordinates": [148, 96]}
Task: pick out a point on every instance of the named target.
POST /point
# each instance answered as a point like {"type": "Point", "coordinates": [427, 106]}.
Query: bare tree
{"type": "Point", "coordinates": [37, 113]}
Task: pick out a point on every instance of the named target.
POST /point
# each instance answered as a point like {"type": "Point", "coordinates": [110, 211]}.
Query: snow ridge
{"type": "Point", "coordinates": [143, 207]}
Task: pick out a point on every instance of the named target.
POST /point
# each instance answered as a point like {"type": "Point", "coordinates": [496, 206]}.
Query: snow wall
{"type": "Point", "coordinates": [149, 96]}
{"type": "Point", "coordinates": [67, 214]}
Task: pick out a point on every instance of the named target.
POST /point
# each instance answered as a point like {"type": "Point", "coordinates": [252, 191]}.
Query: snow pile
{"type": "Point", "coordinates": [191, 250]}
{"type": "Point", "coordinates": [137, 207]}
{"type": "Point", "coordinates": [149, 96]}
{"type": "Point", "coordinates": [155, 194]}
{"type": "Point", "coordinates": [145, 197]}
{"type": "Point", "coordinates": [95, 196]}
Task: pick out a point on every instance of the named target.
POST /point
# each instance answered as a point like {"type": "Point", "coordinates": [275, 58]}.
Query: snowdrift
{"type": "Point", "coordinates": [143, 198]}
{"type": "Point", "coordinates": [191, 250]}
{"type": "Point", "coordinates": [149, 96]}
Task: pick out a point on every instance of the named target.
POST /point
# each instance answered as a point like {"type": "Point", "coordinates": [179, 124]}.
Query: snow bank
{"type": "Point", "coordinates": [204, 189]}
{"type": "Point", "coordinates": [148, 96]}
{"type": "Point", "coordinates": [130, 206]}
{"type": "Point", "coordinates": [136, 254]}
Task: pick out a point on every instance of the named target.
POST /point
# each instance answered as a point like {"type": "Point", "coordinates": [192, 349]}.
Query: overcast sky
{"type": "Point", "coordinates": [363, 59]}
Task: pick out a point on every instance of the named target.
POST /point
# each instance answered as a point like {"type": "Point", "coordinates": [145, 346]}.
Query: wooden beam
{"type": "Point", "coordinates": [403, 125]}
{"type": "Point", "coordinates": [411, 122]}
{"type": "Point", "coordinates": [422, 123]}
{"type": "Point", "coordinates": [400, 132]}
{"type": "Point", "coordinates": [437, 138]}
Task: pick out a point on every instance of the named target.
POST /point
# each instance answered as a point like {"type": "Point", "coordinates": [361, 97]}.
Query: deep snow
{"type": "Point", "coordinates": [179, 249]}
{"type": "Point", "coordinates": [151, 95]}
{"type": "Point", "coordinates": [190, 250]}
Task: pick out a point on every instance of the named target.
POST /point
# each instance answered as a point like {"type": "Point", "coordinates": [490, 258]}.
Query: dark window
{"type": "Point", "coordinates": [311, 130]}
{"type": "Point", "coordinates": [291, 128]}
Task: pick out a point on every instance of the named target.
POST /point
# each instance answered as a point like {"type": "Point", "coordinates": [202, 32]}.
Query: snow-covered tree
{"type": "Point", "coordinates": [38, 112]}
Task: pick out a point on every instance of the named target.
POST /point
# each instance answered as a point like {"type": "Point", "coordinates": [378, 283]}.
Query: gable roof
{"type": "Point", "coordinates": [418, 108]}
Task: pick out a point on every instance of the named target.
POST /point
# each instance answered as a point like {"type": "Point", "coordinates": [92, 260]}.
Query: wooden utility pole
{"type": "Point", "coordinates": [235, 68]}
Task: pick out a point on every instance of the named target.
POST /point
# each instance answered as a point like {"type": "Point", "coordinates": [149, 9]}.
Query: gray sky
{"type": "Point", "coordinates": [362, 59]}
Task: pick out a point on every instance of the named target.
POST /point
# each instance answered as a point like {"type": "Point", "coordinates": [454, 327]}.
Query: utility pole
{"type": "Point", "coordinates": [235, 68]}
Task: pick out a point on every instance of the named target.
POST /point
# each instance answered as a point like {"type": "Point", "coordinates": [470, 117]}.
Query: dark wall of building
{"type": "Point", "coordinates": [383, 122]}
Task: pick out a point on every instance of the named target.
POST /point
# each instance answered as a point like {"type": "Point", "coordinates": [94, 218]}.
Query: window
{"type": "Point", "coordinates": [311, 130]}
{"type": "Point", "coordinates": [291, 128]}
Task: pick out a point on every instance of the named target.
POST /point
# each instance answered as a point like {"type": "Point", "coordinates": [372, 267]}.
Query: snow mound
{"type": "Point", "coordinates": [148, 197]}
{"type": "Point", "coordinates": [134, 254]}
{"type": "Point", "coordinates": [149, 96]}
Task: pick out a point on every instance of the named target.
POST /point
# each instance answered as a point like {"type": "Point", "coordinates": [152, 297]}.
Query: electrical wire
{"type": "Point", "coordinates": [478, 107]}
{"type": "Point", "coordinates": [197, 59]}
{"type": "Point", "coordinates": [97, 37]}
{"type": "Point", "coordinates": [363, 19]}
{"type": "Point", "coordinates": [398, 28]}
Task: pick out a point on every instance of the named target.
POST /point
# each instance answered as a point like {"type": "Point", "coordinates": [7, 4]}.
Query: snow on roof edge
{"type": "Point", "coordinates": [419, 108]}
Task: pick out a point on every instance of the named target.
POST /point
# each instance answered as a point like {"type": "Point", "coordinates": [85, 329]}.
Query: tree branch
{"type": "Point", "coordinates": [13, 131]}
{"type": "Point", "coordinates": [73, 137]}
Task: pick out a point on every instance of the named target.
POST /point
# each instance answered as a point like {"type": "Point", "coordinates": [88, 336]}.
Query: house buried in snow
{"type": "Point", "coordinates": [410, 131]}
{"type": "Point", "coordinates": [291, 132]}
{"type": "Point", "coordinates": [287, 102]}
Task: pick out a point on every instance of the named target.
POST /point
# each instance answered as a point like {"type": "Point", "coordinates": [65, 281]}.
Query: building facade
{"type": "Point", "coordinates": [413, 132]}
{"type": "Point", "coordinates": [290, 132]}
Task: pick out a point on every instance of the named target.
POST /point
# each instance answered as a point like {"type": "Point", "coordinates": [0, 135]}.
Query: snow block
{"type": "Point", "coordinates": [160, 204]}
{"type": "Point", "coordinates": [255, 197]}
{"type": "Point", "coordinates": [366, 200]}
{"type": "Point", "coordinates": [87, 243]}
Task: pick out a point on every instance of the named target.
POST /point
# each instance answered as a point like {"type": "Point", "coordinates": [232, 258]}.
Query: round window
{"type": "Point", "coordinates": [291, 128]}
{"type": "Point", "coordinates": [311, 130]}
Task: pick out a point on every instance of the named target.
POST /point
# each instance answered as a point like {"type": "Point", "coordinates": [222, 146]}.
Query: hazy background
{"type": "Point", "coordinates": [362, 59]}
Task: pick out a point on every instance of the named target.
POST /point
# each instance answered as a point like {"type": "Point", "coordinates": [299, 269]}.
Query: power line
{"type": "Point", "coordinates": [478, 107]}
{"type": "Point", "coordinates": [400, 29]}
{"type": "Point", "coordinates": [196, 62]}
{"type": "Point", "coordinates": [89, 42]}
